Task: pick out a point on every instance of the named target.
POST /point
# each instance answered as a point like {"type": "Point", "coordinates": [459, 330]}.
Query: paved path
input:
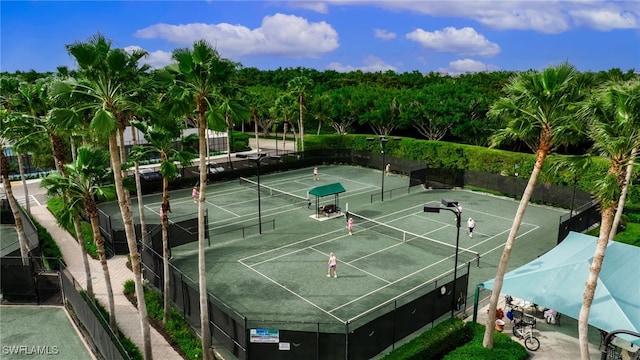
{"type": "Point", "coordinates": [127, 314]}
{"type": "Point", "coordinates": [557, 342]}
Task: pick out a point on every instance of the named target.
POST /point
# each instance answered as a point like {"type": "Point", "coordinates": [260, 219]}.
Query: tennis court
{"type": "Point", "coordinates": [280, 275]}
{"type": "Point", "coordinates": [40, 332]}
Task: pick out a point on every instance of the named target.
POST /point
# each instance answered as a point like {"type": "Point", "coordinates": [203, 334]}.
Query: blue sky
{"type": "Point", "coordinates": [451, 36]}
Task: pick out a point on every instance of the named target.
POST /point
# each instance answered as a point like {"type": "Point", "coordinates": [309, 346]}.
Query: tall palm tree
{"type": "Point", "coordinates": [105, 95]}
{"type": "Point", "coordinates": [231, 108]}
{"type": "Point", "coordinates": [283, 107]}
{"type": "Point", "coordinates": [615, 131]}
{"type": "Point", "coordinates": [299, 86]}
{"type": "Point", "coordinates": [161, 139]}
{"type": "Point", "coordinates": [81, 184]}
{"type": "Point", "coordinates": [538, 109]}
{"type": "Point", "coordinates": [198, 75]}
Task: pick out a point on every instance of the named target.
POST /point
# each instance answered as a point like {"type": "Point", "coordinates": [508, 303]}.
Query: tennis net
{"type": "Point", "coordinates": [292, 198]}
{"type": "Point", "coordinates": [430, 245]}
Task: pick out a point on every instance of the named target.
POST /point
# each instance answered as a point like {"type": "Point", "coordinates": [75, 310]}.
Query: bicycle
{"type": "Point", "coordinates": [530, 342]}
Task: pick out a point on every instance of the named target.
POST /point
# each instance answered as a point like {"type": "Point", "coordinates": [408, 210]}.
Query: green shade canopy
{"type": "Point", "coordinates": [326, 190]}
{"type": "Point", "coordinates": [557, 280]}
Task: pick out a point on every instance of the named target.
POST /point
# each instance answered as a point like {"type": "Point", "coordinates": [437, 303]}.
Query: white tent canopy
{"type": "Point", "coordinates": [557, 280]}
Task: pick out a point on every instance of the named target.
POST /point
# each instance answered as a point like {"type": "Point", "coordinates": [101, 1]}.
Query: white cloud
{"type": "Point", "coordinates": [465, 41]}
{"type": "Point", "coordinates": [541, 16]}
{"type": "Point", "coordinates": [155, 59]}
{"type": "Point", "coordinates": [463, 66]}
{"type": "Point", "coordinates": [280, 34]}
{"type": "Point", "coordinates": [371, 64]}
{"type": "Point", "coordinates": [605, 19]}
{"type": "Point", "coordinates": [317, 6]}
{"type": "Point", "coordinates": [384, 34]}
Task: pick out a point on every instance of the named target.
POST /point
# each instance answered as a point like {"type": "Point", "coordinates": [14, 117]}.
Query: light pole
{"type": "Point", "coordinates": [383, 146]}
{"type": "Point", "coordinates": [257, 161]}
{"type": "Point", "coordinates": [451, 205]}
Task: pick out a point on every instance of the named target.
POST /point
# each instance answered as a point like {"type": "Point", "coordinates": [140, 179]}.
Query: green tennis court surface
{"type": "Point", "coordinates": [39, 332]}
{"type": "Point", "coordinates": [280, 275]}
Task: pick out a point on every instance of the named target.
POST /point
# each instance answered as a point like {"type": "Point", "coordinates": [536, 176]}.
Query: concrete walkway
{"type": "Point", "coordinates": [126, 314]}
{"type": "Point", "coordinates": [557, 342]}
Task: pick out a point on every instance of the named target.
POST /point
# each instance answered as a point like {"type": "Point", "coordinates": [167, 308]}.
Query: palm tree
{"type": "Point", "coordinates": [538, 107]}
{"type": "Point", "coordinates": [160, 140]}
{"type": "Point", "coordinates": [232, 107]}
{"type": "Point", "coordinates": [298, 86]}
{"type": "Point", "coordinates": [615, 131]}
{"type": "Point", "coordinates": [198, 75]}
{"type": "Point", "coordinates": [103, 93]}
{"type": "Point", "coordinates": [283, 107]}
{"type": "Point", "coordinates": [81, 184]}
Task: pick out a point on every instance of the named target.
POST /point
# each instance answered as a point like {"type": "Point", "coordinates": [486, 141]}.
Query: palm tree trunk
{"type": "Point", "coordinates": [125, 211]}
{"type": "Point", "coordinates": [301, 124]}
{"type": "Point", "coordinates": [143, 220]}
{"type": "Point", "coordinates": [165, 249]}
{"type": "Point", "coordinates": [228, 142]}
{"type": "Point", "coordinates": [487, 342]}
{"type": "Point", "coordinates": [72, 142]}
{"type": "Point", "coordinates": [53, 151]}
{"type": "Point", "coordinates": [284, 136]}
{"type": "Point", "coordinates": [202, 269]}
{"type": "Point", "coordinates": [85, 260]}
{"type": "Point", "coordinates": [15, 208]}
{"type": "Point", "coordinates": [606, 223]}
{"type": "Point", "coordinates": [256, 132]}
{"type": "Point", "coordinates": [623, 196]}
{"type": "Point", "coordinates": [22, 237]}
{"type": "Point", "coordinates": [105, 271]}
{"type": "Point", "coordinates": [24, 184]}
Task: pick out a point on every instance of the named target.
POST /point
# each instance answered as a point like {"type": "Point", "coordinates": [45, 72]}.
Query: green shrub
{"type": "Point", "coordinates": [630, 236]}
{"type": "Point", "coordinates": [51, 253]}
{"type": "Point", "coordinates": [177, 328]}
{"type": "Point", "coordinates": [435, 342]}
{"type": "Point", "coordinates": [129, 287]}
{"type": "Point", "coordinates": [503, 347]}
{"type": "Point", "coordinates": [56, 206]}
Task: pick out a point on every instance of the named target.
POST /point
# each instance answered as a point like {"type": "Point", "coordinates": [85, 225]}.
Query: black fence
{"type": "Point", "coordinates": [359, 338]}
{"type": "Point", "coordinates": [33, 284]}
{"type": "Point", "coordinates": [94, 327]}
{"type": "Point", "coordinates": [28, 284]}
{"type": "Point", "coordinates": [579, 220]}
{"type": "Point", "coordinates": [182, 230]}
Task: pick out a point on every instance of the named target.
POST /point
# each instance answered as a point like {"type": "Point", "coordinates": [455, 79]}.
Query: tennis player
{"type": "Point", "coordinates": [333, 263]}
{"type": "Point", "coordinates": [350, 226]}
{"type": "Point", "coordinates": [194, 194]}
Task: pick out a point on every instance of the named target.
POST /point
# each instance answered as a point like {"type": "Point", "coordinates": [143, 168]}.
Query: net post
{"type": "Point", "coordinates": [477, 260]}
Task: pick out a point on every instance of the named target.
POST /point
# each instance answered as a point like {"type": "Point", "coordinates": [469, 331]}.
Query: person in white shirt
{"type": "Point", "coordinates": [470, 225]}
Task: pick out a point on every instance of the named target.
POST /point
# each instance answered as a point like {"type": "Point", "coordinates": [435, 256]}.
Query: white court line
{"type": "Point", "coordinates": [288, 245]}
{"type": "Point", "coordinates": [292, 292]}
{"type": "Point", "coordinates": [392, 246]}
{"type": "Point", "coordinates": [535, 227]}
{"type": "Point", "coordinates": [355, 267]}
{"type": "Point", "coordinates": [392, 283]}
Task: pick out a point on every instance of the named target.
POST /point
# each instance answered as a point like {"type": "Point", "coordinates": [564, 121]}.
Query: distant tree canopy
{"type": "Point", "coordinates": [430, 106]}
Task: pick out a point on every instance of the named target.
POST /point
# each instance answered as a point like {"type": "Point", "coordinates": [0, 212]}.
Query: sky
{"type": "Point", "coordinates": [451, 36]}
